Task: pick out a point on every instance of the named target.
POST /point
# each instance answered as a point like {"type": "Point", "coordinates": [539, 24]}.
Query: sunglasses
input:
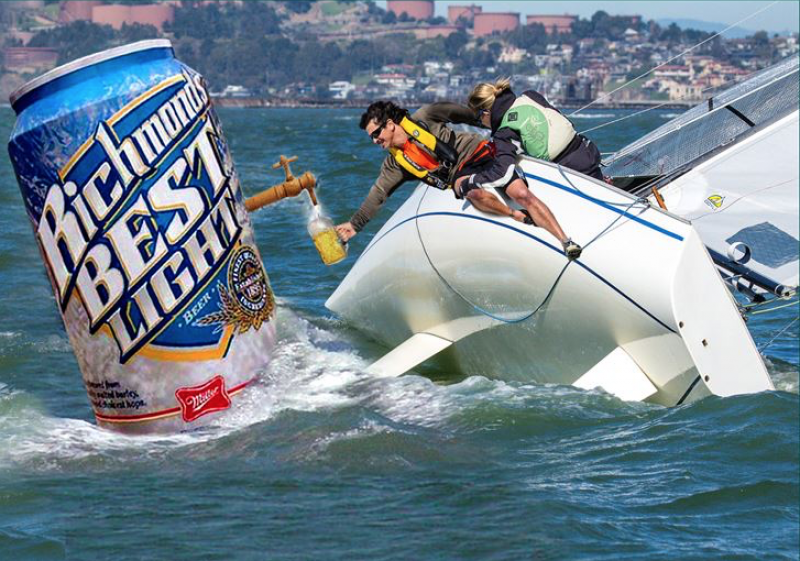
{"type": "Point", "coordinates": [377, 132]}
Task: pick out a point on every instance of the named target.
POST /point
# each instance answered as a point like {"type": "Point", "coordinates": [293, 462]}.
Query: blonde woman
{"type": "Point", "coordinates": [530, 125]}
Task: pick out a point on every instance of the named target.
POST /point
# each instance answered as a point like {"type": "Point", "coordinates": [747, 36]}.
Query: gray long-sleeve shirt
{"type": "Point", "coordinates": [435, 117]}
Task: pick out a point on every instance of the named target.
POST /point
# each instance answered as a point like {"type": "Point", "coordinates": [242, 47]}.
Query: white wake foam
{"type": "Point", "coordinates": [593, 116]}
{"type": "Point", "coordinates": [311, 370]}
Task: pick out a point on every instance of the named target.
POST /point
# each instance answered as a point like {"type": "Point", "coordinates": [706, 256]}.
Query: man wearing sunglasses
{"type": "Point", "coordinates": [447, 156]}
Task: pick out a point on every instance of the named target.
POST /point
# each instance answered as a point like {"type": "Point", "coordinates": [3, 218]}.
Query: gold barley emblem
{"type": "Point", "coordinates": [248, 301]}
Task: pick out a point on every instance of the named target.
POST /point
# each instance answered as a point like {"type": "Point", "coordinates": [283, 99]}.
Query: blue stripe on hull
{"type": "Point", "coordinates": [606, 206]}
{"type": "Point", "coordinates": [533, 237]}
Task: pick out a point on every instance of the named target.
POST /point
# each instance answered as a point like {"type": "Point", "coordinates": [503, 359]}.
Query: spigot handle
{"type": "Point", "coordinates": [284, 163]}
{"type": "Point", "coordinates": [289, 188]}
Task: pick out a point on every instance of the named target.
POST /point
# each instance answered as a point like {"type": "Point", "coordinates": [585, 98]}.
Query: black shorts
{"type": "Point", "coordinates": [480, 160]}
{"type": "Point", "coordinates": [478, 167]}
{"type": "Point", "coordinates": [581, 155]}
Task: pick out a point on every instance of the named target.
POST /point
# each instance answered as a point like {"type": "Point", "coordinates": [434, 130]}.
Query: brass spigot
{"type": "Point", "coordinates": [291, 187]}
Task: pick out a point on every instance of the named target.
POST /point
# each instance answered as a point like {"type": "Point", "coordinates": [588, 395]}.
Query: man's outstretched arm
{"type": "Point", "coordinates": [389, 179]}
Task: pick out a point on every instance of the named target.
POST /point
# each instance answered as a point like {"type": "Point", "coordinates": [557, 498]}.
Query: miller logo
{"type": "Point", "coordinates": [248, 301]}
{"type": "Point", "coordinates": [715, 201]}
{"type": "Point", "coordinates": [196, 401]}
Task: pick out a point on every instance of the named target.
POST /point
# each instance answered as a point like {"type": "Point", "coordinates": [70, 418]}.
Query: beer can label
{"type": "Point", "coordinates": [150, 252]}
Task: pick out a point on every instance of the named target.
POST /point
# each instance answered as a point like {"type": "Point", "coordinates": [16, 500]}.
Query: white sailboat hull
{"type": "Point", "coordinates": [642, 309]}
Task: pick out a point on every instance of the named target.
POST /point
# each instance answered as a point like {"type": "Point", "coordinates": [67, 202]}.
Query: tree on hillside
{"type": "Point", "coordinates": [761, 45]}
{"type": "Point", "coordinates": [581, 28]}
{"type": "Point", "coordinates": [671, 34]}
{"type": "Point", "coordinates": [532, 38]}
{"type": "Point", "coordinates": [455, 43]}
{"type": "Point", "coordinates": [226, 21]}
{"type": "Point", "coordinates": [313, 62]}
{"type": "Point", "coordinates": [77, 39]}
{"type": "Point", "coordinates": [137, 32]}
{"type": "Point", "coordinates": [298, 6]}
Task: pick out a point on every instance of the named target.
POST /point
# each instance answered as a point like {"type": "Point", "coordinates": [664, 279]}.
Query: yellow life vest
{"type": "Point", "coordinates": [413, 157]}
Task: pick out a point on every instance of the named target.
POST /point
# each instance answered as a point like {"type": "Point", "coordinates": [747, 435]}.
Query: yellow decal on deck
{"type": "Point", "coordinates": [715, 201]}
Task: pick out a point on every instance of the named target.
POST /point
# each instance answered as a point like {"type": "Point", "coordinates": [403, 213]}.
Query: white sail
{"type": "Point", "coordinates": [730, 165]}
{"type": "Point", "coordinates": [744, 204]}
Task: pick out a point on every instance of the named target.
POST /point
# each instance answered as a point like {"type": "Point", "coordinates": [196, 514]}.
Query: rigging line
{"type": "Point", "coordinates": [762, 349]}
{"type": "Point", "coordinates": [550, 292]}
{"type": "Point", "coordinates": [643, 111]}
{"type": "Point", "coordinates": [623, 118]}
{"type": "Point", "coordinates": [619, 216]}
{"type": "Point", "coordinates": [767, 310]}
{"type": "Point", "coordinates": [626, 84]}
{"type": "Point", "coordinates": [628, 206]}
{"type": "Point", "coordinates": [645, 140]}
{"type": "Point", "coordinates": [765, 302]}
{"type": "Point", "coordinates": [475, 306]}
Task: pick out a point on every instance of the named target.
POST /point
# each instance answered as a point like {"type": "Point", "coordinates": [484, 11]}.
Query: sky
{"type": "Point", "coordinates": [778, 16]}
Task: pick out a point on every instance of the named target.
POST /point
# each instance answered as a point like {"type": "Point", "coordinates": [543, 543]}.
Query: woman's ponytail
{"type": "Point", "coordinates": [484, 94]}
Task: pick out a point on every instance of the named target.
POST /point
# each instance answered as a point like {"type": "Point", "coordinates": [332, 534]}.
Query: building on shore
{"type": "Point", "coordinates": [431, 31]}
{"type": "Point", "coordinates": [116, 15]}
{"type": "Point", "coordinates": [29, 59]}
{"type": "Point", "coordinates": [76, 10]}
{"type": "Point", "coordinates": [416, 9]}
{"type": "Point", "coordinates": [463, 13]}
{"type": "Point", "coordinates": [553, 24]}
{"type": "Point", "coordinates": [486, 23]}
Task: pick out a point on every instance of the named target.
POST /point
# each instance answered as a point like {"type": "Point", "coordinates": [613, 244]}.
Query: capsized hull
{"type": "Point", "coordinates": [439, 264]}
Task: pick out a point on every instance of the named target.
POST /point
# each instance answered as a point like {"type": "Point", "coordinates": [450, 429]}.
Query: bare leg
{"type": "Point", "coordinates": [540, 213]}
{"type": "Point", "coordinates": [486, 202]}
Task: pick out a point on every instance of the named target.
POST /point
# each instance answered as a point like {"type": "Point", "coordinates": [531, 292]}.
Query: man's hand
{"type": "Point", "coordinates": [345, 231]}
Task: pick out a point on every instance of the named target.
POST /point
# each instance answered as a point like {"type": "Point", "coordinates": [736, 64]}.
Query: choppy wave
{"type": "Point", "coordinates": [317, 394]}
{"type": "Point", "coordinates": [314, 371]}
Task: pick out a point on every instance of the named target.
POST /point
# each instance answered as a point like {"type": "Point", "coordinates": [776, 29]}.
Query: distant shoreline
{"type": "Point", "coordinates": [256, 102]}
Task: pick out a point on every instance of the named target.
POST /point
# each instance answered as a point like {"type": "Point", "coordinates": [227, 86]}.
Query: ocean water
{"type": "Point", "coordinates": [320, 461]}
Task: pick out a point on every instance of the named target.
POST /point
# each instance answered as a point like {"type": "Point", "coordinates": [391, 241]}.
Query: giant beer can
{"type": "Point", "coordinates": [138, 213]}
